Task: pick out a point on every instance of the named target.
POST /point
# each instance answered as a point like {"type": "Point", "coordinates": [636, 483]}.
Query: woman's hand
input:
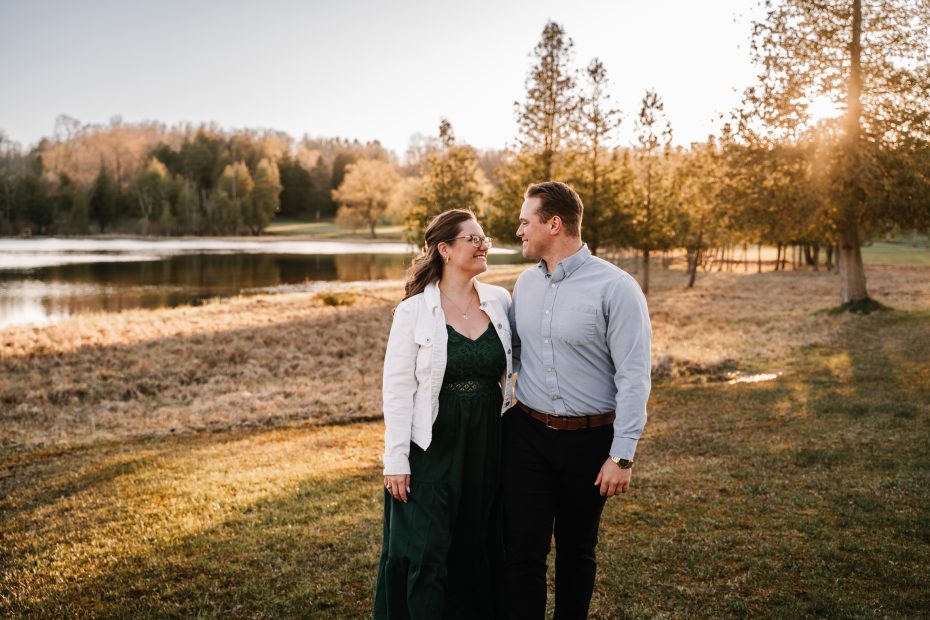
{"type": "Point", "coordinates": [398, 486]}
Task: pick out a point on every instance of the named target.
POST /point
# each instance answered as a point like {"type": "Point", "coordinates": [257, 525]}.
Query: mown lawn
{"type": "Point", "coordinates": [803, 495]}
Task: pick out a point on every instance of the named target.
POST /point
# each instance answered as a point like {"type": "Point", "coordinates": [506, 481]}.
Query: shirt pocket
{"type": "Point", "coordinates": [576, 325]}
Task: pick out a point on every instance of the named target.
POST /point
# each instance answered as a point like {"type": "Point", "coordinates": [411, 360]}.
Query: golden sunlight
{"type": "Point", "coordinates": [822, 107]}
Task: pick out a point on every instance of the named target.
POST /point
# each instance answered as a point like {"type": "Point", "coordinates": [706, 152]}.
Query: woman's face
{"type": "Point", "coordinates": [463, 254]}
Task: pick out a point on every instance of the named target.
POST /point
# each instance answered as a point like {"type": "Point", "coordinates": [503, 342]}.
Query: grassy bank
{"type": "Point", "coordinates": [328, 230]}
{"type": "Point", "coordinates": [222, 461]}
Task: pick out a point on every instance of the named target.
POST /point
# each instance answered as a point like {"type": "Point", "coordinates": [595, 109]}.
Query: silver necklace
{"type": "Point", "coordinates": [457, 307]}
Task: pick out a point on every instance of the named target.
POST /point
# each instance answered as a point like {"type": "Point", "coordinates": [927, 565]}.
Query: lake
{"type": "Point", "coordinates": [46, 280]}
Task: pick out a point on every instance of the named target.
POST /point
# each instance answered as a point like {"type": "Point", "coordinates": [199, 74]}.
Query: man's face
{"type": "Point", "coordinates": [534, 233]}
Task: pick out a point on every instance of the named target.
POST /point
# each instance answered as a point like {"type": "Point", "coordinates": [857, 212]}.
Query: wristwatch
{"type": "Point", "coordinates": [622, 463]}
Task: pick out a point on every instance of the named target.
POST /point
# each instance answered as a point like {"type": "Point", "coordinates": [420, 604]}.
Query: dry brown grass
{"type": "Point", "coordinates": [298, 358]}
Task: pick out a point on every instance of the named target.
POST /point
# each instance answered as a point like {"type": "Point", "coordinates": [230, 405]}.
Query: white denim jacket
{"type": "Point", "coordinates": [415, 362]}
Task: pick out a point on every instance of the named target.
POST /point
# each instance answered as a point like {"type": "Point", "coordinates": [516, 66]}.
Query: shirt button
{"type": "Point", "coordinates": [555, 398]}
{"type": "Point", "coordinates": [507, 404]}
{"type": "Point", "coordinates": [498, 326]}
{"type": "Point", "coordinates": [546, 341]}
{"type": "Point", "coordinates": [508, 351]}
{"type": "Point", "coordinates": [548, 370]}
{"type": "Point", "coordinates": [547, 312]}
{"type": "Point", "coordinates": [552, 285]}
{"type": "Point", "coordinates": [427, 340]}
{"type": "Point", "coordinates": [509, 375]}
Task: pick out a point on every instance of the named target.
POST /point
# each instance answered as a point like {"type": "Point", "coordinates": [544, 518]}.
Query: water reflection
{"type": "Point", "coordinates": [59, 287]}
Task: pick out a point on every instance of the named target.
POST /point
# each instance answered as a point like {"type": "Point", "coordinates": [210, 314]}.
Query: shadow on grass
{"type": "Point", "coordinates": [307, 553]}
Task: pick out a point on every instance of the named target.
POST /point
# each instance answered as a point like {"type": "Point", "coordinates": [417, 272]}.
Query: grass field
{"type": "Point", "coordinates": [327, 229]}
{"type": "Point", "coordinates": [222, 461]}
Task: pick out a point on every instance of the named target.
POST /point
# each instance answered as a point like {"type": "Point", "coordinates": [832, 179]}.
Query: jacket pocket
{"type": "Point", "coordinates": [424, 339]}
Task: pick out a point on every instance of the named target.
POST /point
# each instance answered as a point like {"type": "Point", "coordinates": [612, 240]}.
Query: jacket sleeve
{"type": "Point", "coordinates": [514, 335]}
{"type": "Point", "coordinates": [398, 389]}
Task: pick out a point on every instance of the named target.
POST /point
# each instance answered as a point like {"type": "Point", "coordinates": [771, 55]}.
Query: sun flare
{"type": "Point", "coordinates": [821, 108]}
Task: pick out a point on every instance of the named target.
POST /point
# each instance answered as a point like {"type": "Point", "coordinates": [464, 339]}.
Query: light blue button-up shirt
{"type": "Point", "coordinates": [582, 340]}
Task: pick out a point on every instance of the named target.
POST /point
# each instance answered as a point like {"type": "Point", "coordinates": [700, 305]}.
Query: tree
{"type": "Point", "coordinates": [544, 119]}
{"type": "Point", "coordinates": [604, 182]}
{"type": "Point", "coordinates": [32, 198]}
{"type": "Point", "coordinates": [296, 188]}
{"type": "Point", "coordinates": [654, 140]}
{"type": "Point", "coordinates": [873, 61]}
{"type": "Point", "coordinates": [265, 196]}
{"type": "Point", "coordinates": [12, 166]}
{"type": "Point", "coordinates": [366, 191]}
{"type": "Point", "coordinates": [188, 208]}
{"type": "Point", "coordinates": [450, 182]}
{"type": "Point", "coordinates": [233, 198]}
{"type": "Point", "coordinates": [103, 199]}
{"type": "Point", "coordinates": [150, 191]}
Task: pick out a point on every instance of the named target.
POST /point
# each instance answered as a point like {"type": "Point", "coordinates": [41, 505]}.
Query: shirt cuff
{"type": "Point", "coordinates": [396, 465]}
{"type": "Point", "coordinates": [623, 448]}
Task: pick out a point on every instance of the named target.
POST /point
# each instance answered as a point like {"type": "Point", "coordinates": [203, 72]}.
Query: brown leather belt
{"type": "Point", "coordinates": [569, 423]}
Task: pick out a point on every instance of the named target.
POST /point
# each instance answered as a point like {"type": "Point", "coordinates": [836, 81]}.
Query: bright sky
{"type": "Point", "coordinates": [364, 69]}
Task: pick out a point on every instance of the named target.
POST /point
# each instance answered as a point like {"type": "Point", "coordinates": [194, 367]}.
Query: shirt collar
{"type": "Point", "coordinates": [568, 265]}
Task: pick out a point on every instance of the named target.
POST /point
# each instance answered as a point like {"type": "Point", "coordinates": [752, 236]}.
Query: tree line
{"type": "Point", "coordinates": [150, 179]}
{"type": "Point", "coordinates": [775, 175]}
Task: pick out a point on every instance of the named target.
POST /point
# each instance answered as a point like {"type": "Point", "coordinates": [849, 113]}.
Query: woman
{"type": "Point", "coordinates": [447, 380]}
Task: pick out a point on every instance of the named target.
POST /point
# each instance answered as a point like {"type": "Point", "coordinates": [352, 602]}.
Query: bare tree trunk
{"type": "Point", "coordinates": [852, 271]}
{"type": "Point", "coordinates": [759, 258]}
{"type": "Point", "coordinates": [849, 259]}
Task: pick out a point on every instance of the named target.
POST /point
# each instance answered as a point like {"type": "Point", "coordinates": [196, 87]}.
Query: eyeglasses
{"type": "Point", "coordinates": [476, 240]}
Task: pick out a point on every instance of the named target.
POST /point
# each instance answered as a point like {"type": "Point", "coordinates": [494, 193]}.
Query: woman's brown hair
{"type": "Point", "coordinates": [427, 265]}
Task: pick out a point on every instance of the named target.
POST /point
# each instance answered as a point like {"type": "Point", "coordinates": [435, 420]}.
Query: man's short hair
{"type": "Point", "coordinates": [557, 198]}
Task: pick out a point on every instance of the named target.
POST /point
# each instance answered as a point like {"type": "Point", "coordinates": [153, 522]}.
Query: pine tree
{"type": "Point", "coordinates": [544, 118]}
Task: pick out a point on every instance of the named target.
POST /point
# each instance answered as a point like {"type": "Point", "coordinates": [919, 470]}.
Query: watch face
{"type": "Point", "coordinates": [624, 463]}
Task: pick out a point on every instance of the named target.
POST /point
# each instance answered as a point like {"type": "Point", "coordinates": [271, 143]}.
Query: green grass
{"type": "Point", "coordinates": [898, 251]}
{"type": "Point", "coordinates": [803, 496]}
{"type": "Point", "coordinates": [328, 229]}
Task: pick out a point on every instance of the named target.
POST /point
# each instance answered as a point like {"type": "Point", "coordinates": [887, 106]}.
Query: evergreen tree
{"type": "Point", "coordinates": [103, 199]}
{"type": "Point", "coordinates": [544, 118]}
{"type": "Point", "coordinates": [603, 181]}
{"type": "Point", "coordinates": [656, 201]}
{"type": "Point", "coordinates": [450, 182]}
{"type": "Point", "coordinates": [297, 190]}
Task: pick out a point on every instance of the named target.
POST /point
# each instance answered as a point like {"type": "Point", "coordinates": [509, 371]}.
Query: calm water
{"type": "Point", "coordinates": [45, 280]}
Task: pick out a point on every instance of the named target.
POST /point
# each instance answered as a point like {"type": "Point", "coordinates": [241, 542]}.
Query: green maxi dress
{"type": "Point", "coordinates": [442, 553]}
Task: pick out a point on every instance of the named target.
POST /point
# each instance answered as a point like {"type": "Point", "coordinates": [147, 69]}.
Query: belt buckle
{"type": "Point", "coordinates": [548, 415]}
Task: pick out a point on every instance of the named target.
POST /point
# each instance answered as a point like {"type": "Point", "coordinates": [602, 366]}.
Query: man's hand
{"type": "Point", "coordinates": [612, 479]}
{"type": "Point", "coordinates": [398, 486]}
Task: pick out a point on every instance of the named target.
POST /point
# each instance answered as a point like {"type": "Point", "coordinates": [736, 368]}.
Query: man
{"type": "Point", "coordinates": [582, 341]}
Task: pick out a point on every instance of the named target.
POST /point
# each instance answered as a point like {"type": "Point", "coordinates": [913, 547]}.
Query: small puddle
{"type": "Point", "coordinates": [738, 377]}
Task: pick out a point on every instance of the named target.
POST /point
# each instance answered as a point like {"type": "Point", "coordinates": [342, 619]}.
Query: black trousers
{"type": "Point", "coordinates": [548, 486]}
